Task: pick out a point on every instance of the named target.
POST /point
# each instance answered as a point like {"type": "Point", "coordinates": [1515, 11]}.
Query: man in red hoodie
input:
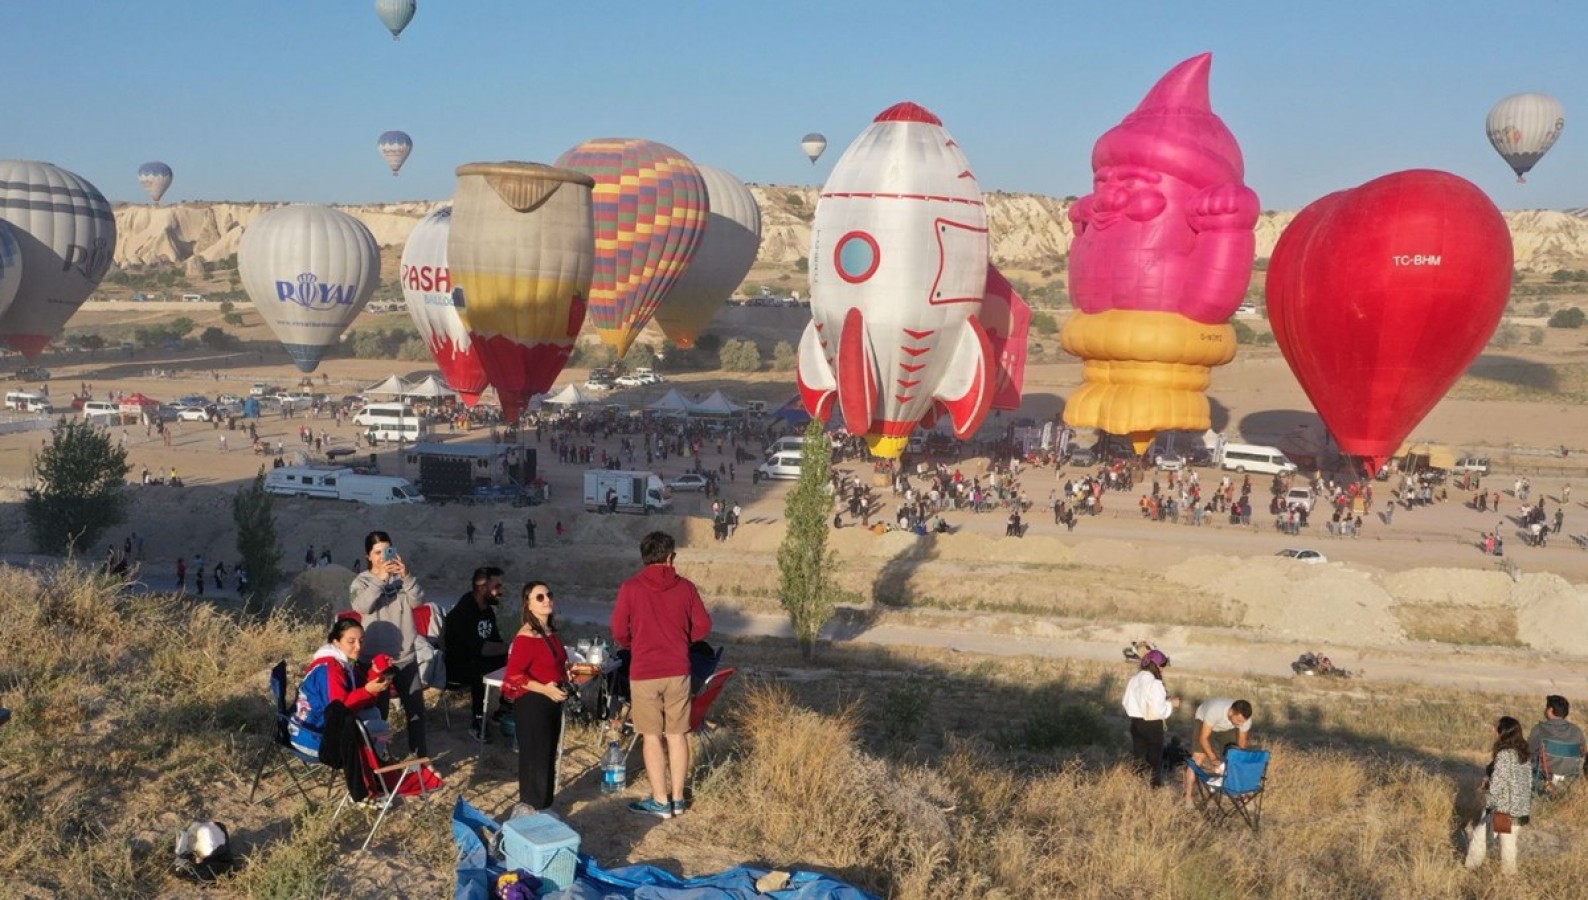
{"type": "Point", "coordinates": [658, 615]}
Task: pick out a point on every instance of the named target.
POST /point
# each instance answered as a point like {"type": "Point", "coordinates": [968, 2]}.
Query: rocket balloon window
{"type": "Point", "coordinates": [856, 257]}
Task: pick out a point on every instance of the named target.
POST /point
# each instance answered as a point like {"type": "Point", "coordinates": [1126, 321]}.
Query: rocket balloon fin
{"type": "Point", "coordinates": [1007, 319]}
{"type": "Point", "coordinates": [818, 387]}
{"type": "Point", "coordinates": [857, 374]}
{"type": "Point", "coordinates": [966, 390]}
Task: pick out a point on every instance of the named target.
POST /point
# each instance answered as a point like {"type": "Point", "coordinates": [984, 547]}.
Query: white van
{"type": "Point", "coordinates": [28, 401]}
{"type": "Point", "coordinates": [307, 481]}
{"type": "Point", "coordinates": [392, 422]}
{"type": "Point", "coordinates": [782, 465]}
{"type": "Point", "coordinates": [1256, 458]}
{"type": "Point", "coordinates": [795, 444]}
{"type": "Point", "coordinates": [94, 409]}
{"type": "Point", "coordinates": [377, 490]}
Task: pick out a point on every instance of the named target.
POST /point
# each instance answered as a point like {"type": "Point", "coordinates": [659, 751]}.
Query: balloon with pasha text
{"type": "Point", "coordinates": [1162, 255]}
{"type": "Point", "coordinates": [427, 289]}
{"type": "Point", "coordinates": [309, 271]}
{"type": "Point", "coordinates": [67, 234]}
{"type": "Point", "coordinates": [521, 250]}
{"type": "Point", "coordinates": [1381, 296]}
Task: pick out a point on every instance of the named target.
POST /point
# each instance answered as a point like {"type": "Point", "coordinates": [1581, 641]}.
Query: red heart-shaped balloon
{"type": "Point", "coordinates": [1382, 295]}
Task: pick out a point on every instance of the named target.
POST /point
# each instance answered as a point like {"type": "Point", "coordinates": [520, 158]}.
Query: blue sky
{"type": "Point", "coordinates": [283, 100]}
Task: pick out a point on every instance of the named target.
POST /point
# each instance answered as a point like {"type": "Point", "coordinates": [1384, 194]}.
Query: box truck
{"type": "Point", "coordinates": [637, 492]}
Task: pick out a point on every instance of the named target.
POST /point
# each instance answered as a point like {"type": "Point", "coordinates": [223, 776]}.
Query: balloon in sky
{"type": "Point", "coordinates": [155, 178]}
{"type": "Point", "coordinates": [427, 288]}
{"type": "Point", "coordinates": [813, 144]}
{"type": "Point", "coordinates": [898, 276]}
{"type": "Point", "coordinates": [522, 252]}
{"type": "Point", "coordinates": [1523, 127]}
{"type": "Point", "coordinates": [10, 267]}
{"type": "Point", "coordinates": [725, 255]}
{"type": "Point", "coordinates": [650, 212]}
{"type": "Point", "coordinates": [396, 14]}
{"type": "Point", "coordinates": [1161, 258]}
{"type": "Point", "coordinates": [394, 148]}
{"type": "Point", "coordinates": [309, 270]}
{"type": "Point", "coordinates": [67, 235]}
{"type": "Point", "coordinates": [1382, 295]}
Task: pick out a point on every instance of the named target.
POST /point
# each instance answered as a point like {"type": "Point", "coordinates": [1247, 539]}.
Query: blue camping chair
{"type": "Point", "coordinates": [1237, 792]}
{"type": "Point", "coordinates": [1556, 767]}
{"type": "Point", "coordinates": [298, 765]}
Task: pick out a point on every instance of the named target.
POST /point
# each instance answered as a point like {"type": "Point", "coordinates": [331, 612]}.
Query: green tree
{"type": "Point", "coordinates": [1567, 317]}
{"type": "Point", "coordinates": [740, 356]}
{"type": "Point", "coordinates": [216, 339]}
{"type": "Point", "coordinates": [783, 357]}
{"type": "Point", "coordinates": [182, 327]}
{"type": "Point", "coordinates": [77, 492]}
{"type": "Point", "coordinates": [641, 356]}
{"type": "Point", "coordinates": [253, 512]}
{"type": "Point", "coordinates": [226, 307]}
{"type": "Point", "coordinates": [1044, 323]}
{"type": "Point", "coordinates": [91, 341]}
{"type": "Point", "coordinates": [802, 265]}
{"type": "Point", "coordinates": [804, 562]}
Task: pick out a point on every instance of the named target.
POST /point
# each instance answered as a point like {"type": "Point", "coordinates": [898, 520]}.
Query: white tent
{"type": "Point", "coordinates": [672, 403]}
{"type": "Point", "coordinates": [717, 404]}
{"type": "Point", "coordinates": [391, 387]}
{"type": "Point", "coordinates": [572, 395]}
{"type": "Point", "coordinates": [432, 388]}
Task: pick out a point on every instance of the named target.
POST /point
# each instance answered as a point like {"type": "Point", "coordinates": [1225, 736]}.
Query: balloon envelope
{"type": "Point", "coordinates": [394, 148]}
{"type": "Point", "coordinates": [427, 289]}
{"type": "Point", "coordinates": [813, 144]}
{"type": "Point", "coordinates": [10, 267]}
{"type": "Point", "coordinates": [67, 235]}
{"type": "Point", "coordinates": [522, 251]}
{"type": "Point", "coordinates": [1523, 127]}
{"type": "Point", "coordinates": [1382, 295]}
{"type": "Point", "coordinates": [727, 251]}
{"type": "Point", "coordinates": [309, 271]}
{"type": "Point", "coordinates": [650, 211]}
{"type": "Point", "coordinates": [155, 178]}
{"type": "Point", "coordinates": [396, 14]}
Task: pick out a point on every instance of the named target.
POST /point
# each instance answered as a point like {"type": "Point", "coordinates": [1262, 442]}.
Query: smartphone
{"type": "Point", "coordinates": [389, 554]}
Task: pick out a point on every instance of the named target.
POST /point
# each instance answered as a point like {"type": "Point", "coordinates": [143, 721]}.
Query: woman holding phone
{"type": "Point", "coordinates": [1508, 796]}
{"type": "Point", "coordinates": [536, 680]}
{"type": "Point", "coordinates": [386, 595]}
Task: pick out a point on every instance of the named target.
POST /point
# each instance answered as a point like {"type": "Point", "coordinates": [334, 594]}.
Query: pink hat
{"type": "Point", "coordinates": [1174, 130]}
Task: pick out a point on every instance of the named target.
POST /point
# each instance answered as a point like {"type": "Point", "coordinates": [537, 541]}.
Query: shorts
{"type": "Point", "coordinates": [1220, 739]}
{"type": "Point", "coordinates": [660, 705]}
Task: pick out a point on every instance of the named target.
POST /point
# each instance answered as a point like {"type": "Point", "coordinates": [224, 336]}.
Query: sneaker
{"type": "Point", "coordinates": [679, 807]}
{"type": "Point", "coordinates": [651, 807]}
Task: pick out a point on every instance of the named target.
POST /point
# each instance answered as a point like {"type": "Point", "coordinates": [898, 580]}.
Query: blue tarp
{"type": "Point", "coordinates": [793, 412]}
{"type": "Point", "coordinates": [477, 869]}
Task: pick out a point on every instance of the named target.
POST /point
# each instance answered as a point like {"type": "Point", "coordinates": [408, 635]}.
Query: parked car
{"type": "Point", "coordinates": [1083, 457]}
{"type": "Point", "coordinates": [1300, 496]}
{"type": "Point", "coordinates": [1311, 557]}
{"type": "Point", "coordinates": [1171, 463]}
{"type": "Point", "coordinates": [690, 482]}
{"type": "Point", "coordinates": [1471, 465]}
{"type": "Point", "coordinates": [33, 373]}
{"type": "Point", "coordinates": [229, 400]}
{"type": "Point", "coordinates": [196, 413]}
{"type": "Point", "coordinates": [631, 381]}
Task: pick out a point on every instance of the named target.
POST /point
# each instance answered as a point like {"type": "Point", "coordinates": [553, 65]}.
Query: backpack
{"type": "Point", "coordinates": [430, 625]}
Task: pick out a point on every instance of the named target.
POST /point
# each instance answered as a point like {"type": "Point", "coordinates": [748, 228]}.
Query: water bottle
{"type": "Point", "coordinates": [614, 770]}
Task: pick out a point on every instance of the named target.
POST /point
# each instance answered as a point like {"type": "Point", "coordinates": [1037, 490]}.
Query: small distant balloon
{"type": "Point", "coordinates": [396, 14]}
{"type": "Point", "coordinates": [1523, 127]}
{"type": "Point", "coordinates": [813, 144]}
{"type": "Point", "coordinates": [155, 178]}
{"type": "Point", "coordinates": [394, 148]}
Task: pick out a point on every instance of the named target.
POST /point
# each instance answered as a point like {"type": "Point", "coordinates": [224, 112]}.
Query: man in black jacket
{"type": "Point", "coordinates": [474, 644]}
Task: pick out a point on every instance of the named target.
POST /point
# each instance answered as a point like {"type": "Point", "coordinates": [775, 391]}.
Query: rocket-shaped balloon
{"type": "Point", "coordinates": [1161, 259]}
{"type": "Point", "coordinates": [898, 274]}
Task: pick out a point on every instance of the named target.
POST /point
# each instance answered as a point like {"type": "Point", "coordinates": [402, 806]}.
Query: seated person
{"type": "Point", "coordinates": [331, 682]}
{"type": "Point", "coordinates": [474, 645]}
{"type": "Point", "coordinates": [1555, 728]}
{"type": "Point", "coordinates": [1226, 722]}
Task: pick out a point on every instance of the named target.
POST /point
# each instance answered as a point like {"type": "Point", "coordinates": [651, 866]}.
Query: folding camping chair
{"type": "Point", "coordinates": [384, 791]}
{"type": "Point", "coordinates": [699, 707]}
{"type": "Point", "coordinates": [1237, 792]}
{"type": "Point", "coordinates": [1556, 767]}
{"type": "Point", "coordinates": [291, 760]}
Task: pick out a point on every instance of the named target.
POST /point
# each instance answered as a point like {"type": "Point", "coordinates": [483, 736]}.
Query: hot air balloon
{"type": "Point", "coordinates": [1523, 127]}
{"type": "Point", "coordinates": [898, 276]}
{"type": "Point", "coordinates": [10, 267]}
{"type": "Point", "coordinates": [396, 14]}
{"type": "Point", "coordinates": [1382, 295]}
{"type": "Point", "coordinates": [309, 270]}
{"type": "Point", "coordinates": [1162, 254]}
{"type": "Point", "coordinates": [650, 211]}
{"type": "Point", "coordinates": [67, 234]}
{"type": "Point", "coordinates": [155, 178]}
{"type": "Point", "coordinates": [813, 144]}
{"type": "Point", "coordinates": [725, 255]}
{"type": "Point", "coordinates": [427, 287]}
{"type": "Point", "coordinates": [522, 251]}
{"type": "Point", "coordinates": [394, 148]}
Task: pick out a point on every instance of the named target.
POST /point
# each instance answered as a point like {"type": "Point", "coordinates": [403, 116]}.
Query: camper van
{"type": "Point", "coordinates": [28, 401]}
{"type": "Point", "coordinates": [1255, 458]}
{"type": "Point", "coordinates": [340, 483]}
{"type": "Point", "coordinates": [392, 422]}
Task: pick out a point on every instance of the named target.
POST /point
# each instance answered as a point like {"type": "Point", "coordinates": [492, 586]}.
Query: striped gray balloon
{"type": "Point", "coordinates": [1523, 127]}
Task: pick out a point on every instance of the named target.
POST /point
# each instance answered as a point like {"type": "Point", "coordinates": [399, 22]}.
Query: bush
{"type": "Point", "coordinates": [641, 356]}
{"type": "Point", "coordinates": [414, 350]}
{"type": "Point", "coordinates": [1044, 323]}
{"type": "Point", "coordinates": [592, 355]}
{"type": "Point", "coordinates": [216, 339]}
{"type": "Point", "coordinates": [1506, 336]}
{"type": "Point", "coordinates": [1535, 336]}
{"type": "Point", "coordinates": [1244, 333]}
{"type": "Point", "coordinates": [1568, 317]}
{"type": "Point", "coordinates": [79, 479]}
{"type": "Point", "coordinates": [784, 359]}
{"type": "Point", "coordinates": [740, 356]}
{"type": "Point", "coordinates": [383, 343]}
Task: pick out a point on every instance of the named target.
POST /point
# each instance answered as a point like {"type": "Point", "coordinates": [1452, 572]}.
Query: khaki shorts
{"type": "Point", "coordinates": [661, 705]}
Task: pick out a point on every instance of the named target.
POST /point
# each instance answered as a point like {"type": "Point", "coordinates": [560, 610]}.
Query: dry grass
{"type": "Point", "coordinates": [1450, 624]}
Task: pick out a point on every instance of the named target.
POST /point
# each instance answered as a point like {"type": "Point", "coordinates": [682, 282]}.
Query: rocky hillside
{"type": "Point", "coordinates": [1029, 230]}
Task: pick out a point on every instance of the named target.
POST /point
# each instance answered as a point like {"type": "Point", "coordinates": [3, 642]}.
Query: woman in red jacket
{"type": "Point", "coordinates": [536, 679]}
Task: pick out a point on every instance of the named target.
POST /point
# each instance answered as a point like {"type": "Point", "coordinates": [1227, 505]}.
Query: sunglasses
{"type": "Point", "coordinates": [545, 596]}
